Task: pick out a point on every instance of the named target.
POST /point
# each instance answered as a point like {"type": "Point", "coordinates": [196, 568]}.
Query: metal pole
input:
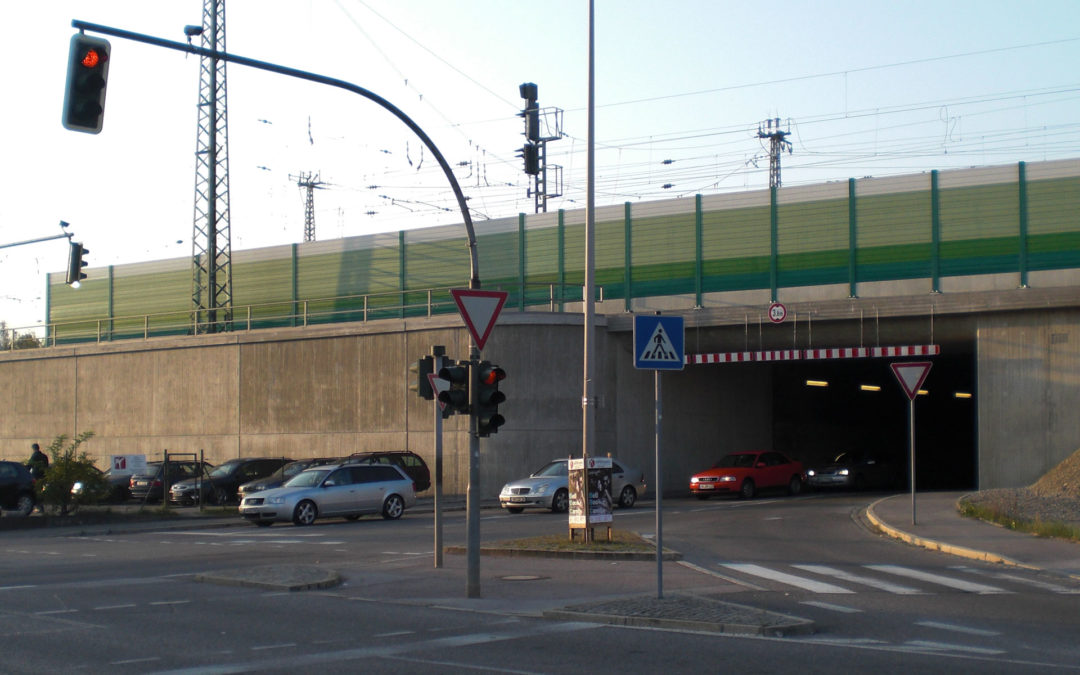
{"type": "Point", "coordinates": [911, 436]}
{"type": "Point", "coordinates": [659, 492]}
{"type": "Point", "coordinates": [472, 495]}
{"type": "Point", "coordinates": [588, 398]}
{"type": "Point", "coordinates": [437, 354]}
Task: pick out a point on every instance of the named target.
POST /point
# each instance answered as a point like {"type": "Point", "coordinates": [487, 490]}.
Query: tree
{"type": "Point", "coordinates": [70, 467]}
{"type": "Point", "coordinates": [10, 339]}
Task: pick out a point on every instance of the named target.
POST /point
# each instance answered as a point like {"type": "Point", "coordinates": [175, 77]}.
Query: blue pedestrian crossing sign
{"type": "Point", "coordinates": [658, 342]}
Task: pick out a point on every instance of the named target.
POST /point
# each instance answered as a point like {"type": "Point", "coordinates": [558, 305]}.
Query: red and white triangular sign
{"type": "Point", "coordinates": [479, 309]}
{"type": "Point", "coordinates": [438, 385]}
{"type": "Point", "coordinates": [911, 375]}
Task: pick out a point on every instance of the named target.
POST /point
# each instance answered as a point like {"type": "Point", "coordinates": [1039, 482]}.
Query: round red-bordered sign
{"type": "Point", "coordinates": [777, 312]}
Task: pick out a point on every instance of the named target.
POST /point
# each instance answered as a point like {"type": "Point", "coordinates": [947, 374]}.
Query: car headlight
{"type": "Point", "coordinates": [505, 490]}
{"type": "Point", "coordinates": [843, 472]}
{"type": "Point", "coordinates": [276, 500]}
{"type": "Point", "coordinates": [77, 488]}
{"type": "Point", "coordinates": [727, 479]}
{"type": "Point", "coordinates": [541, 489]}
{"type": "Point", "coordinates": [694, 479]}
{"type": "Point", "coordinates": [810, 472]}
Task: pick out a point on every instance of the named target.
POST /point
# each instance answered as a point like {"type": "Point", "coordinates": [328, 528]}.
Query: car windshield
{"type": "Point", "coordinates": [309, 478]}
{"type": "Point", "coordinates": [843, 458]}
{"type": "Point", "coordinates": [553, 469]}
{"type": "Point", "coordinates": [223, 470]}
{"type": "Point", "coordinates": [735, 460]}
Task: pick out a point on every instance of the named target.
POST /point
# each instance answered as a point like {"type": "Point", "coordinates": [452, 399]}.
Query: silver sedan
{"type": "Point", "coordinates": [347, 490]}
{"type": "Point", "coordinates": [547, 488]}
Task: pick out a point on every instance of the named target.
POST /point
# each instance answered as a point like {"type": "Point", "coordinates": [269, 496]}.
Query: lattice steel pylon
{"type": "Point", "coordinates": [211, 247]}
{"type": "Point", "coordinates": [310, 183]}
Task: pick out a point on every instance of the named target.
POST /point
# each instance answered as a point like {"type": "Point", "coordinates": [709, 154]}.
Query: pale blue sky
{"type": "Point", "coordinates": [868, 88]}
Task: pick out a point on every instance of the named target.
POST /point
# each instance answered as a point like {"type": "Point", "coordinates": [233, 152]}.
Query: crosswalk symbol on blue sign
{"type": "Point", "coordinates": [658, 342]}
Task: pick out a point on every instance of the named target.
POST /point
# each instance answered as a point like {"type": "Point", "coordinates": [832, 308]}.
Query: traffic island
{"type": "Point", "coordinates": [623, 546]}
{"type": "Point", "coordinates": [275, 577]}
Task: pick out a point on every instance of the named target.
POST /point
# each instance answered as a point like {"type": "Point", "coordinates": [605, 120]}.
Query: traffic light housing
{"type": "Point", "coordinates": [531, 154]}
{"type": "Point", "coordinates": [488, 419]}
{"type": "Point", "coordinates": [87, 75]}
{"type": "Point", "coordinates": [456, 398]}
{"type": "Point", "coordinates": [420, 382]}
{"type": "Point", "coordinates": [75, 275]}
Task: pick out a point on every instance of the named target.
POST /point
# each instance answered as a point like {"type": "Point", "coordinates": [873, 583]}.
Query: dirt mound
{"type": "Point", "coordinates": [1061, 481]}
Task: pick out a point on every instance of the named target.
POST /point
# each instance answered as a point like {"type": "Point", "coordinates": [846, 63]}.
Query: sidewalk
{"type": "Point", "coordinates": [939, 526]}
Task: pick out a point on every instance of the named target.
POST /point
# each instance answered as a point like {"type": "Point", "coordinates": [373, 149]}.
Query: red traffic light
{"type": "Point", "coordinates": [491, 374]}
{"type": "Point", "coordinates": [91, 58]}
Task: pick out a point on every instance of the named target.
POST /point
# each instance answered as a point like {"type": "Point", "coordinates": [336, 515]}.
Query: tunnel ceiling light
{"type": "Point", "coordinates": [923, 392]}
{"type": "Point", "coordinates": [869, 387]}
{"type": "Point", "coordinates": [817, 383]}
{"type": "Point", "coordinates": [962, 394]}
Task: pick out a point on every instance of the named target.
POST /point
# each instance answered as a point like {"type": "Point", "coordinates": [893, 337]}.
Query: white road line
{"type": "Point", "coordinates": [831, 607]}
{"type": "Point", "coordinates": [56, 611]}
{"type": "Point", "coordinates": [169, 602]}
{"type": "Point", "coordinates": [944, 646]}
{"type": "Point", "coordinates": [1044, 585]}
{"type": "Point", "coordinates": [283, 645]}
{"type": "Point", "coordinates": [733, 580]}
{"type": "Point", "coordinates": [957, 628]}
{"type": "Point", "coordinates": [958, 584]}
{"type": "Point", "coordinates": [104, 607]}
{"type": "Point", "coordinates": [127, 662]}
{"type": "Point", "coordinates": [785, 578]}
{"type": "Point", "coordinates": [854, 578]}
{"type": "Point", "coordinates": [395, 634]}
{"type": "Point", "coordinates": [16, 588]}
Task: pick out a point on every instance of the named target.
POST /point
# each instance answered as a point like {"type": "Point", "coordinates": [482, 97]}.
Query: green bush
{"type": "Point", "coordinates": [69, 468]}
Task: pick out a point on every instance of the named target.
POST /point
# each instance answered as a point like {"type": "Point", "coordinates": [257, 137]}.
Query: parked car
{"type": "Point", "coordinates": [278, 478]}
{"type": "Point", "coordinates": [16, 488]}
{"type": "Point", "coordinates": [221, 484]}
{"type": "Point", "coordinates": [860, 470]}
{"type": "Point", "coordinates": [346, 490]}
{"type": "Point", "coordinates": [149, 485]}
{"type": "Point", "coordinates": [744, 473]}
{"type": "Point", "coordinates": [411, 463]}
{"type": "Point", "coordinates": [547, 488]}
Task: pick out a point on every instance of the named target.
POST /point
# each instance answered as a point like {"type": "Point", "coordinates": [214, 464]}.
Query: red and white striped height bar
{"type": "Point", "coordinates": [815, 354]}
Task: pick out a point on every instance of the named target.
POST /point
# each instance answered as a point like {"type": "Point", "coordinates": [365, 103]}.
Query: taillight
{"type": "Point", "coordinates": [414, 487]}
{"type": "Point", "coordinates": [157, 483]}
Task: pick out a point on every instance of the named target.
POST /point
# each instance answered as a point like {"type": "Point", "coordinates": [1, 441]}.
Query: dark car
{"type": "Point", "coordinates": [149, 485]}
{"type": "Point", "coordinates": [860, 470]}
{"type": "Point", "coordinates": [221, 484]}
{"type": "Point", "coordinates": [16, 488]}
{"type": "Point", "coordinates": [411, 463]}
{"type": "Point", "coordinates": [283, 474]}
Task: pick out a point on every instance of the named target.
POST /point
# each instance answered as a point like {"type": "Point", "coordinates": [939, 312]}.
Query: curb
{"type": "Point", "coordinates": [275, 577]}
{"type": "Point", "coordinates": [934, 545]}
{"type": "Point", "coordinates": [567, 555]}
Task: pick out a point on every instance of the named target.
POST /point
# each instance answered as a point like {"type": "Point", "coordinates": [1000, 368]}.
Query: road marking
{"type": "Point", "coordinates": [1044, 585]}
{"type": "Point", "coordinates": [104, 607]}
{"type": "Point", "coordinates": [127, 662]}
{"type": "Point", "coordinates": [56, 611]}
{"type": "Point", "coordinates": [169, 602]}
{"type": "Point", "coordinates": [944, 646]}
{"type": "Point", "coordinates": [832, 607]}
{"type": "Point", "coordinates": [854, 578]}
{"type": "Point", "coordinates": [957, 629]}
{"type": "Point", "coordinates": [698, 568]}
{"type": "Point", "coordinates": [283, 645]}
{"type": "Point", "coordinates": [785, 578]}
{"type": "Point", "coordinates": [395, 634]}
{"type": "Point", "coordinates": [16, 588]}
{"type": "Point", "coordinates": [959, 584]}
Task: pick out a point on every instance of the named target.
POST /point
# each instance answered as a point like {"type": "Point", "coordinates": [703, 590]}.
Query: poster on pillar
{"type": "Point", "coordinates": [599, 491]}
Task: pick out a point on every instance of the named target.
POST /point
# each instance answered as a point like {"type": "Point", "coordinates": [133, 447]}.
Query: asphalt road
{"type": "Point", "coordinates": [128, 602]}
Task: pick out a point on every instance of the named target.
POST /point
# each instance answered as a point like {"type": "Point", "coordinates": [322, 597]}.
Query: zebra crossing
{"type": "Point", "coordinates": [888, 578]}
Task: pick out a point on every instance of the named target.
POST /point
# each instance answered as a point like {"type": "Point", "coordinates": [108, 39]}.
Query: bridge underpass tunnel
{"type": "Point", "coordinates": [823, 408]}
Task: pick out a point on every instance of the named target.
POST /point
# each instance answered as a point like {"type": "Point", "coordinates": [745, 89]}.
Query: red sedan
{"type": "Point", "coordinates": [744, 473]}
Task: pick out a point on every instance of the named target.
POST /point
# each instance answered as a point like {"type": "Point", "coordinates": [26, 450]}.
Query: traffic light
{"type": "Point", "coordinates": [88, 72]}
{"type": "Point", "coordinates": [75, 275]}
{"type": "Point", "coordinates": [531, 154]}
{"type": "Point", "coordinates": [488, 419]}
{"type": "Point", "coordinates": [420, 383]}
{"type": "Point", "coordinates": [456, 397]}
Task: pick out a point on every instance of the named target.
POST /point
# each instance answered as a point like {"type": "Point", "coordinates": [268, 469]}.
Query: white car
{"type": "Point", "coordinates": [343, 490]}
{"type": "Point", "coordinates": [547, 488]}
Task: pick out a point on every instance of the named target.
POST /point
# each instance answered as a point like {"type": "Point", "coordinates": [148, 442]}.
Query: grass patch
{"type": "Point", "coordinates": [623, 541]}
{"type": "Point", "coordinates": [1053, 529]}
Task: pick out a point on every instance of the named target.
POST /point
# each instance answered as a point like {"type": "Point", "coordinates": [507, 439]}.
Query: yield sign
{"type": "Point", "coordinates": [911, 375]}
{"type": "Point", "coordinates": [438, 385]}
{"type": "Point", "coordinates": [479, 309]}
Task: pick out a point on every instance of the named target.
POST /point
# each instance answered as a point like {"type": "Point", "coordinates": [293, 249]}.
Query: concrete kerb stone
{"type": "Point", "coordinates": [275, 577]}
{"type": "Point", "coordinates": [934, 545]}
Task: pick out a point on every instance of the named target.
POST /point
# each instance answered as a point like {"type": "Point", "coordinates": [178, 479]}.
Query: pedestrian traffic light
{"type": "Point", "coordinates": [488, 419]}
{"type": "Point", "coordinates": [420, 382]}
{"type": "Point", "coordinates": [75, 275]}
{"type": "Point", "coordinates": [531, 154]}
{"type": "Point", "coordinates": [456, 397]}
{"type": "Point", "coordinates": [87, 75]}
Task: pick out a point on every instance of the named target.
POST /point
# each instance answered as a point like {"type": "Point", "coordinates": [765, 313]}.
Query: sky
{"type": "Point", "coordinates": [868, 88]}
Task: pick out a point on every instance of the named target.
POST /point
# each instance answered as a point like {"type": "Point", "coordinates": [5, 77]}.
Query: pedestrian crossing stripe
{"type": "Point", "coordinates": [659, 347]}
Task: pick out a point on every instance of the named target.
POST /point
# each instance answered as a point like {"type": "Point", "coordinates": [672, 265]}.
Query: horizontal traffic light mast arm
{"type": "Point", "coordinates": [474, 273]}
{"type": "Point", "coordinates": [34, 241]}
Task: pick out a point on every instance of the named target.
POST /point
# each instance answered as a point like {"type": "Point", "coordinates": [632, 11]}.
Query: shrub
{"type": "Point", "coordinates": [67, 468]}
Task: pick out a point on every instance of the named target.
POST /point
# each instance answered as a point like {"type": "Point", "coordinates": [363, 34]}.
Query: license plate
{"type": "Point", "coordinates": [705, 486]}
{"type": "Point", "coordinates": [518, 500]}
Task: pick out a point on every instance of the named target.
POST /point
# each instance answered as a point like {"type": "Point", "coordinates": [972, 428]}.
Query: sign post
{"type": "Point", "coordinates": [658, 345]}
{"type": "Point", "coordinates": [911, 375]}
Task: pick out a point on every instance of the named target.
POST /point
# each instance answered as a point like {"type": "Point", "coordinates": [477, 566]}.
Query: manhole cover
{"type": "Point", "coordinates": [523, 577]}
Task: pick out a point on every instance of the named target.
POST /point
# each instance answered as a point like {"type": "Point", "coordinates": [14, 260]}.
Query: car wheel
{"type": "Point", "coordinates": [794, 485]}
{"type": "Point", "coordinates": [627, 497]}
{"type": "Point", "coordinates": [25, 506]}
{"type": "Point", "coordinates": [515, 509]}
{"type": "Point", "coordinates": [264, 523]}
{"type": "Point", "coordinates": [560, 502]}
{"type": "Point", "coordinates": [747, 490]}
{"type": "Point", "coordinates": [393, 507]}
{"type": "Point", "coordinates": [305, 513]}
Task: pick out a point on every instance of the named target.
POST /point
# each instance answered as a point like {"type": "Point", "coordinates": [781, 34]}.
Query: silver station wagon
{"type": "Point", "coordinates": [345, 490]}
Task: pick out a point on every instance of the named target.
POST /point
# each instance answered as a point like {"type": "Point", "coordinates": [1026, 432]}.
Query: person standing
{"type": "Point", "coordinates": [38, 462]}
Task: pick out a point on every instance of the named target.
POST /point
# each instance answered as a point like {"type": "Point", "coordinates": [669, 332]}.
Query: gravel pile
{"type": "Point", "coordinates": [1054, 497]}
